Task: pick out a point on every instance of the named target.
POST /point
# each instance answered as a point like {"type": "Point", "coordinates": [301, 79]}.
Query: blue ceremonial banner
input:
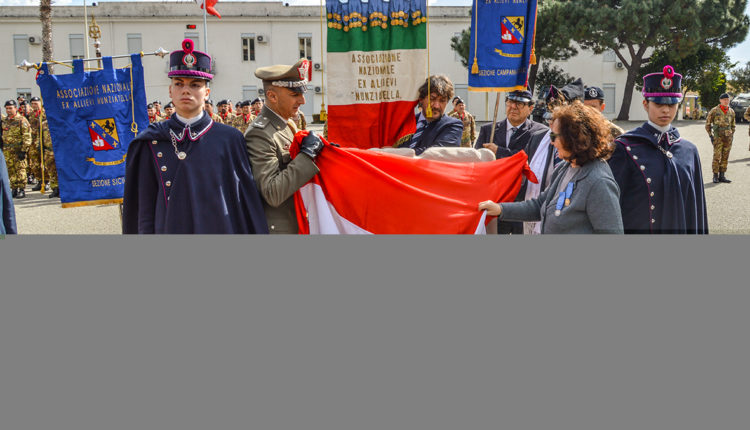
{"type": "Point", "coordinates": [502, 42]}
{"type": "Point", "coordinates": [92, 118]}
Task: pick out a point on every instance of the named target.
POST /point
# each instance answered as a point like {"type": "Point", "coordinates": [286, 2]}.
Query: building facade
{"type": "Point", "coordinates": [249, 35]}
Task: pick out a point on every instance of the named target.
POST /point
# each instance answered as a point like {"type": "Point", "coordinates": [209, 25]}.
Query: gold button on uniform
{"type": "Point", "coordinates": [159, 154]}
{"type": "Point", "coordinates": [168, 183]}
{"type": "Point", "coordinates": [163, 168]}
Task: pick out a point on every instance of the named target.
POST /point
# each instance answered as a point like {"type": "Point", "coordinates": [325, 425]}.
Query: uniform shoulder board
{"type": "Point", "coordinates": [261, 122]}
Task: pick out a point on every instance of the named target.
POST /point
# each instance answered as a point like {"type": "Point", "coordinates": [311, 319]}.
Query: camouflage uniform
{"type": "Point", "coordinates": [50, 170]}
{"type": "Point", "coordinates": [34, 157]}
{"type": "Point", "coordinates": [240, 123]}
{"type": "Point", "coordinates": [17, 139]}
{"type": "Point", "coordinates": [470, 126]}
{"type": "Point", "coordinates": [300, 121]}
{"type": "Point", "coordinates": [216, 118]}
{"type": "Point", "coordinates": [227, 119]}
{"type": "Point", "coordinates": [720, 126]}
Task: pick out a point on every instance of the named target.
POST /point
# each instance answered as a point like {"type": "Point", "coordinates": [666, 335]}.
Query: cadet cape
{"type": "Point", "coordinates": [211, 191]}
{"type": "Point", "coordinates": [678, 204]}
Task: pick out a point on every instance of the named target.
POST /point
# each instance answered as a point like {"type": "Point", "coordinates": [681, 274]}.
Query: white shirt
{"type": "Point", "coordinates": [660, 128]}
{"type": "Point", "coordinates": [189, 121]}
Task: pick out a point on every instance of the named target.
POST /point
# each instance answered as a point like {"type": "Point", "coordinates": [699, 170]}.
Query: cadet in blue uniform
{"type": "Point", "coordinates": [658, 172]}
{"type": "Point", "coordinates": [189, 174]}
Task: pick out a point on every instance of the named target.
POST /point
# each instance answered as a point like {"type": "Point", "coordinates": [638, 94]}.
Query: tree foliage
{"type": "Point", "coordinates": [633, 29]}
{"type": "Point", "coordinates": [713, 84]}
{"type": "Point", "coordinates": [740, 80]}
{"type": "Point", "coordinates": [551, 75]}
{"type": "Point", "coordinates": [552, 42]}
{"type": "Point", "coordinates": [460, 44]}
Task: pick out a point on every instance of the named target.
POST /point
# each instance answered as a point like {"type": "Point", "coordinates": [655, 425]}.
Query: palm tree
{"type": "Point", "coordinates": [45, 15]}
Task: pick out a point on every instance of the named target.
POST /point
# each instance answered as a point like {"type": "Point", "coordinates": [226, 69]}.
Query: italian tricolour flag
{"type": "Point", "coordinates": [377, 60]}
{"type": "Point", "coordinates": [361, 191]}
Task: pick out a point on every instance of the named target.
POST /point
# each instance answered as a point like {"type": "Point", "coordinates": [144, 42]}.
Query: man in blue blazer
{"type": "Point", "coordinates": [438, 129]}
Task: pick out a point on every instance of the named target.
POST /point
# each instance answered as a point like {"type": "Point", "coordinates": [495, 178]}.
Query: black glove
{"type": "Point", "coordinates": [311, 145]}
{"type": "Point", "coordinates": [21, 155]}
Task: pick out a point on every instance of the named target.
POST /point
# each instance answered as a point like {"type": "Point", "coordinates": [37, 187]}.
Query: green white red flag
{"type": "Point", "coordinates": [377, 57]}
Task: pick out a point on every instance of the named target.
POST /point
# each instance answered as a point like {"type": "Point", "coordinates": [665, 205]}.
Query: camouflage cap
{"type": "Point", "coordinates": [294, 77]}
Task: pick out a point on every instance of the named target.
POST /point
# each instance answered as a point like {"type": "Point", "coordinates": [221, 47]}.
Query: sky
{"type": "Point", "coordinates": [740, 53]}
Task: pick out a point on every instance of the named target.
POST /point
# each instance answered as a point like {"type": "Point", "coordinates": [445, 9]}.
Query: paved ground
{"type": "Point", "coordinates": [728, 204]}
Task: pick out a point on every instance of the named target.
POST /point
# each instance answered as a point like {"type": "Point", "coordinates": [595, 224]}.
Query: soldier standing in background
{"type": "Point", "coordinates": [159, 113]}
{"type": "Point", "coordinates": [747, 118]}
{"type": "Point", "coordinates": [17, 140]}
{"type": "Point", "coordinates": [225, 115]}
{"type": "Point", "coordinates": [256, 106]}
{"type": "Point", "coordinates": [50, 170]}
{"type": "Point", "coordinates": [168, 110]}
{"type": "Point", "coordinates": [243, 120]}
{"type": "Point", "coordinates": [208, 106]}
{"type": "Point", "coordinates": [720, 127]}
{"type": "Point", "coordinates": [470, 126]}
{"type": "Point", "coordinates": [152, 118]}
{"type": "Point", "coordinates": [36, 117]}
{"type": "Point", "coordinates": [594, 97]}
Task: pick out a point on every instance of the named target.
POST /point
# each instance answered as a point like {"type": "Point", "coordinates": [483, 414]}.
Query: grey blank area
{"type": "Point", "coordinates": [382, 333]}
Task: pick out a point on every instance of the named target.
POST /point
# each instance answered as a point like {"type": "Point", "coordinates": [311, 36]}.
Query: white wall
{"type": "Point", "coordinates": [164, 25]}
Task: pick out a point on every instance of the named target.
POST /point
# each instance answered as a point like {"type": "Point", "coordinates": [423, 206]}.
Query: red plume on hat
{"type": "Point", "coordinates": [209, 6]}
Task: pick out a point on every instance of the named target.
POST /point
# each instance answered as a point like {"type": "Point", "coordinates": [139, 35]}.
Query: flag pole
{"type": "Point", "coordinates": [494, 119]}
{"type": "Point", "coordinates": [205, 28]}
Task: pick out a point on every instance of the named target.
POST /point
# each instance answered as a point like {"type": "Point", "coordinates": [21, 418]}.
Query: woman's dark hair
{"type": "Point", "coordinates": [585, 132]}
{"type": "Point", "coordinates": [439, 84]}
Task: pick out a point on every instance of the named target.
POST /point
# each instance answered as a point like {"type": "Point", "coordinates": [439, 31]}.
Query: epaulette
{"type": "Point", "coordinates": [261, 122]}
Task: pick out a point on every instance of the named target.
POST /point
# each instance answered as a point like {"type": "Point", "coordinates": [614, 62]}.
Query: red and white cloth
{"type": "Point", "coordinates": [368, 192]}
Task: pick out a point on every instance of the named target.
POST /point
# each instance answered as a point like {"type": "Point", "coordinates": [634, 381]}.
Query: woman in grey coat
{"type": "Point", "coordinates": [583, 196]}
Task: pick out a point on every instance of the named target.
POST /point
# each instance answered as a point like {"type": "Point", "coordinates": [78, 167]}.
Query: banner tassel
{"type": "Point", "coordinates": [475, 66]}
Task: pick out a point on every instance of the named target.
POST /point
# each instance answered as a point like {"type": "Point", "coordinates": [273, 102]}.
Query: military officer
{"type": "Point", "coordinates": [268, 140]}
{"type": "Point", "coordinates": [659, 172]}
{"type": "Point", "coordinates": [36, 117]}
{"type": "Point", "coordinates": [470, 126]}
{"type": "Point", "coordinates": [243, 120]}
{"type": "Point", "coordinates": [594, 97]}
{"type": "Point", "coordinates": [17, 141]}
{"type": "Point", "coordinates": [720, 127]}
{"type": "Point", "coordinates": [300, 121]}
{"type": "Point", "coordinates": [747, 118]}
{"type": "Point", "coordinates": [208, 106]}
